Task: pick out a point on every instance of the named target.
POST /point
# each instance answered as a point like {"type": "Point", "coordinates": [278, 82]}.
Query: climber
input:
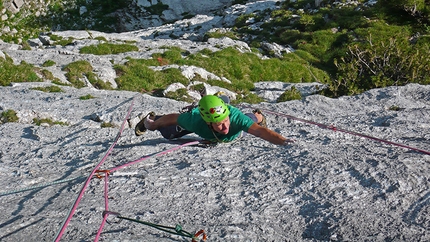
{"type": "Point", "coordinates": [214, 121]}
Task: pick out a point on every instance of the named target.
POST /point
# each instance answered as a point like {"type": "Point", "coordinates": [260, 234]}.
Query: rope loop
{"type": "Point", "coordinates": [110, 213]}
{"type": "Point", "coordinates": [107, 213]}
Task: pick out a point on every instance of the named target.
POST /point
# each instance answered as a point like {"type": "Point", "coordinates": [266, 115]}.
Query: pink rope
{"type": "Point", "coordinates": [106, 186]}
{"type": "Point", "coordinates": [106, 191]}
{"type": "Point", "coordinates": [154, 155]}
{"type": "Point", "coordinates": [346, 131]}
{"type": "Point", "coordinates": [87, 182]}
{"type": "Point", "coordinates": [105, 216]}
{"type": "Point", "coordinates": [107, 213]}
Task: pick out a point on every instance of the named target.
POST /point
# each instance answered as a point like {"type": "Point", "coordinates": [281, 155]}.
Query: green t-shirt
{"type": "Point", "coordinates": [193, 122]}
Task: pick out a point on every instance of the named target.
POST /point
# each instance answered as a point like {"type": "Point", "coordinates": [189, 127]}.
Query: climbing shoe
{"type": "Point", "coordinates": [140, 128]}
{"type": "Point", "coordinates": [263, 122]}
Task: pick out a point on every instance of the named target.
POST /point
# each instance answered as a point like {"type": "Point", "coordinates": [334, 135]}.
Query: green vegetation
{"type": "Point", "coordinates": [107, 125]}
{"type": "Point", "coordinates": [87, 97]}
{"type": "Point", "coordinates": [291, 94]}
{"type": "Point", "coordinates": [180, 95]}
{"type": "Point", "coordinates": [50, 122]}
{"type": "Point", "coordinates": [59, 40]}
{"type": "Point", "coordinates": [48, 63]}
{"type": "Point", "coordinates": [383, 57]}
{"type": "Point", "coordinates": [8, 116]}
{"type": "Point", "coordinates": [394, 108]}
{"type": "Point", "coordinates": [77, 71]}
{"type": "Point", "coordinates": [135, 75]}
{"type": "Point", "coordinates": [242, 69]}
{"type": "Point", "coordinates": [23, 72]}
{"type": "Point", "coordinates": [359, 50]}
{"type": "Point", "coordinates": [108, 49]}
{"type": "Point", "coordinates": [220, 34]}
{"type": "Point", "coordinates": [349, 49]}
{"type": "Point", "coordinates": [48, 89]}
{"type": "Point", "coordinates": [47, 75]}
{"type": "Point", "coordinates": [101, 15]}
{"type": "Point", "coordinates": [157, 9]}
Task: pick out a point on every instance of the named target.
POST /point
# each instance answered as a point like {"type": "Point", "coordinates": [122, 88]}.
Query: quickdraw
{"type": "Point", "coordinates": [196, 236]}
{"type": "Point", "coordinates": [107, 172]}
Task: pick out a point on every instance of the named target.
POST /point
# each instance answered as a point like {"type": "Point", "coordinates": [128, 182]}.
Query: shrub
{"type": "Point", "coordinates": [416, 8]}
{"type": "Point", "coordinates": [48, 75]}
{"type": "Point", "coordinates": [380, 62]}
{"type": "Point", "coordinates": [157, 9]}
{"type": "Point", "coordinates": [247, 97]}
{"type": "Point", "coordinates": [58, 40]}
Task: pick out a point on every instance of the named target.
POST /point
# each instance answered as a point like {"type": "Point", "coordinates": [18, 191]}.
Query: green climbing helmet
{"type": "Point", "coordinates": [213, 109]}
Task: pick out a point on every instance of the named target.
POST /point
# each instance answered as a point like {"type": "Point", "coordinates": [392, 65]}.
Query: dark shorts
{"type": "Point", "coordinates": [173, 131]}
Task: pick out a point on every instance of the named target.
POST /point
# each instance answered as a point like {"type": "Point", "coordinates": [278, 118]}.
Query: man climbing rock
{"type": "Point", "coordinates": [214, 121]}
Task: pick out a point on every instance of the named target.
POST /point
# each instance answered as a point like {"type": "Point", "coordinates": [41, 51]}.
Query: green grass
{"type": "Point", "coordinates": [180, 95]}
{"type": "Point", "coordinates": [8, 116]}
{"type": "Point", "coordinates": [76, 71]}
{"type": "Point", "coordinates": [59, 40]}
{"type": "Point", "coordinates": [157, 9]}
{"type": "Point", "coordinates": [48, 63]}
{"type": "Point", "coordinates": [48, 89]}
{"type": "Point", "coordinates": [290, 94]}
{"type": "Point", "coordinates": [23, 72]}
{"type": "Point", "coordinates": [50, 122]}
{"type": "Point", "coordinates": [327, 44]}
{"type": "Point", "coordinates": [243, 69]}
{"type": "Point", "coordinates": [108, 49]}
{"type": "Point", "coordinates": [107, 125]}
{"type": "Point", "coordinates": [87, 97]}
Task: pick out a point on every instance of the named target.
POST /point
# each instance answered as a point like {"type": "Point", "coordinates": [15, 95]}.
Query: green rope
{"type": "Point", "coordinates": [173, 230]}
{"type": "Point", "coordinates": [38, 186]}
